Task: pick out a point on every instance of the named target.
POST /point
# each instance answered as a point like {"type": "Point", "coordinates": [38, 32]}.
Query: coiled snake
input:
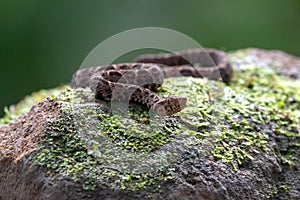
{"type": "Point", "coordinates": [138, 81]}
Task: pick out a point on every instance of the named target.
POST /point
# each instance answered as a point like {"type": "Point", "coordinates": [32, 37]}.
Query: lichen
{"type": "Point", "coordinates": [279, 189]}
{"type": "Point", "coordinates": [258, 106]}
{"type": "Point", "coordinates": [135, 149]}
{"type": "Point", "coordinates": [98, 153]}
{"type": "Point", "coordinates": [64, 152]}
{"type": "Point", "coordinates": [14, 111]}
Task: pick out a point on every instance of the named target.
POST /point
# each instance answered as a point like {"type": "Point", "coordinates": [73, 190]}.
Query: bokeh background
{"type": "Point", "coordinates": [43, 42]}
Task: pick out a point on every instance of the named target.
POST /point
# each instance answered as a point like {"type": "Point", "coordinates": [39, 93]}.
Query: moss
{"type": "Point", "coordinates": [138, 150]}
{"type": "Point", "coordinates": [13, 112]}
{"type": "Point", "coordinates": [64, 152]}
{"type": "Point", "coordinates": [274, 105]}
{"type": "Point", "coordinates": [125, 133]}
{"type": "Point", "coordinates": [210, 116]}
{"type": "Point", "coordinates": [281, 190]}
{"type": "Point", "coordinates": [113, 152]}
{"type": "Point", "coordinates": [260, 105]}
{"type": "Point", "coordinates": [243, 118]}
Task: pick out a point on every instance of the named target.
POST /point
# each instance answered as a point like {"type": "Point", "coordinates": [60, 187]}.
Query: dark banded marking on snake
{"type": "Point", "coordinates": [138, 81]}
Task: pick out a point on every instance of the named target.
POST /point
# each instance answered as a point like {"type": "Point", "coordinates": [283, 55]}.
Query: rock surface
{"type": "Point", "coordinates": [69, 147]}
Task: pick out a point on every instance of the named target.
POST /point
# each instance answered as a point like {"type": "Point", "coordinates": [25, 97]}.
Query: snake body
{"type": "Point", "coordinates": [138, 81]}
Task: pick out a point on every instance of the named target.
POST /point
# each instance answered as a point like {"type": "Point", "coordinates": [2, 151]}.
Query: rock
{"type": "Point", "coordinates": [20, 179]}
{"type": "Point", "coordinates": [237, 141]}
{"type": "Point", "coordinates": [283, 63]}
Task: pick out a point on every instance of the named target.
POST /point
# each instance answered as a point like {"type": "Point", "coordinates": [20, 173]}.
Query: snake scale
{"type": "Point", "coordinates": [138, 81]}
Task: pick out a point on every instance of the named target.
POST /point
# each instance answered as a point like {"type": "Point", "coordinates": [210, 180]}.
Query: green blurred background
{"type": "Point", "coordinates": [43, 42]}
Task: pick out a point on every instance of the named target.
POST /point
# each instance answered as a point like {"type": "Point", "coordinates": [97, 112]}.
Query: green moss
{"type": "Point", "coordinates": [138, 150]}
{"type": "Point", "coordinates": [13, 112]}
{"type": "Point", "coordinates": [129, 144]}
{"type": "Point", "coordinates": [279, 190]}
{"type": "Point", "coordinates": [274, 105]}
{"type": "Point", "coordinates": [212, 115]}
{"type": "Point", "coordinates": [64, 152]}
{"type": "Point", "coordinates": [94, 147]}
{"type": "Point", "coordinates": [136, 133]}
{"type": "Point", "coordinates": [258, 105]}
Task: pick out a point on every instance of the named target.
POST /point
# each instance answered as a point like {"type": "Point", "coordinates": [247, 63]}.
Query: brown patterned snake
{"type": "Point", "coordinates": [137, 82]}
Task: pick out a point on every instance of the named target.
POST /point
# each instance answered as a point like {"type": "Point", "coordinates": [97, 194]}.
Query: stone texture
{"type": "Point", "coordinates": [197, 175]}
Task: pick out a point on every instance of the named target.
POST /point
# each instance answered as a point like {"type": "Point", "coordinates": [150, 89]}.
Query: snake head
{"type": "Point", "coordinates": [169, 105]}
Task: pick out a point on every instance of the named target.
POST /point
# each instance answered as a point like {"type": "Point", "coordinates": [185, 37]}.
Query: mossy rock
{"type": "Point", "coordinates": [236, 141]}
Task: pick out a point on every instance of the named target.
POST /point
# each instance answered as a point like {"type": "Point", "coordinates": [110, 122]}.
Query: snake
{"type": "Point", "coordinates": [138, 81]}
